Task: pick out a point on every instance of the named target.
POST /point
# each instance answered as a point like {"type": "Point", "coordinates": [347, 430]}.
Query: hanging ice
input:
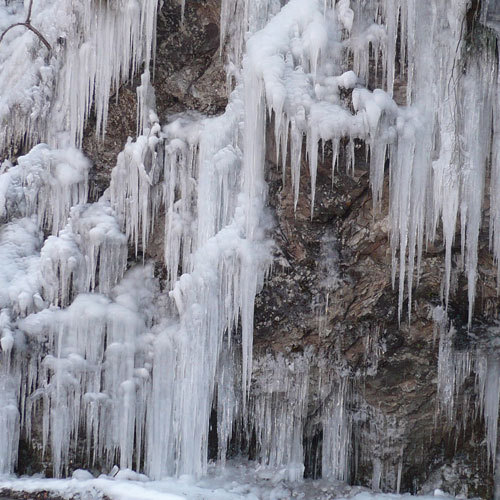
{"type": "Point", "coordinates": [134, 369]}
{"type": "Point", "coordinates": [95, 47]}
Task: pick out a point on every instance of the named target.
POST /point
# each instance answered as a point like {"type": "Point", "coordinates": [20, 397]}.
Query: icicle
{"type": "Point", "coordinates": [20, 285]}
{"type": "Point", "coordinates": [229, 404]}
{"type": "Point", "coordinates": [134, 188]}
{"type": "Point", "coordinates": [495, 180]}
{"type": "Point", "coordinates": [454, 367]}
{"type": "Point", "coordinates": [95, 371]}
{"type": "Point", "coordinates": [277, 412]}
{"type": "Point", "coordinates": [490, 403]}
{"type": "Point", "coordinates": [159, 363]}
{"type": "Point", "coordinates": [89, 254]}
{"type": "Point", "coordinates": [95, 47]}
{"type": "Point", "coordinates": [53, 181]}
{"type": "Point", "coordinates": [9, 413]}
{"type": "Point", "coordinates": [336, 434]}
{"type": "Point", "coordinates": [102, 243]}
{"type": "Point", "coordinates": [146, 104]}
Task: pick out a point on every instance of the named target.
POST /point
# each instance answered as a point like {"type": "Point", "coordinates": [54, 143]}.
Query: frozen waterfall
{"type": "Point", "coordinates": [119, 366]}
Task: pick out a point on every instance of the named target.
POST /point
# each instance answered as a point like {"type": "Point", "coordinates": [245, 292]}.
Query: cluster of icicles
{"type": "Point", "coordinates": [457, 367]}
{"type": "Point", "coordinates": [119, 370]}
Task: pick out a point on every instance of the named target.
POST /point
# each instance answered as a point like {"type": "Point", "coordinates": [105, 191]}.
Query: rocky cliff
{"type": "Point", "coordinates": [392, 385]}
{"type": "Point", "coordinates": [330, 298]}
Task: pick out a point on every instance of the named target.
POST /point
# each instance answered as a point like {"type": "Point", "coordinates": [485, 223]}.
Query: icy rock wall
{"type": "Point", "coordinates": [310, 55]}
{"type": "Point", "coordinates": [48, 95]}
{"type": "Point", "coordinates": [37, 276]}
{"type": "Point", "coordinates": [297, 397]}
{"type": "Point", "coordinates": [85, 348]}
{"type": "Point", "coordinates": [300, 57]}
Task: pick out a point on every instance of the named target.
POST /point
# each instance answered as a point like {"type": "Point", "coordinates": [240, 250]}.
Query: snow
{"type": "Point", "coordinates": [237, 482]}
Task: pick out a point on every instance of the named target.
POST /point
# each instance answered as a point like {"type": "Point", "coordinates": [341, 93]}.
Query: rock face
{"type": "Point", "coordinates": [188, 76]}
{"type": "Point", "coordinates": [330, 293]}
{"type": "Point", "coordinates": [331, 289]}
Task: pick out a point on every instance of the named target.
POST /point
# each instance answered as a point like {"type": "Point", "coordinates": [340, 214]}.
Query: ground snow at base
{"type": "Point", "coordinates": [232, 483]}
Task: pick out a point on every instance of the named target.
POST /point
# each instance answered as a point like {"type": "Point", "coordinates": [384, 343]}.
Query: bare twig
{"type": "Point", "coordinates": [28, 17]}
{"type": "Point", "coordinates": [27, 24]}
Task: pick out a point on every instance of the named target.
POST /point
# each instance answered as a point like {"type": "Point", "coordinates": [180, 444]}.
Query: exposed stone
{"type": "Point", "coordinates": [188, 75]}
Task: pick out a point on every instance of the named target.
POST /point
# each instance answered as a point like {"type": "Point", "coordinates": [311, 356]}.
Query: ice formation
{"type": "Point", "coordinates": [121, 370]}
{"type": "Point", "coordinates": [95, 47]}
{"type": "Point", "coordinates": [101, 359]}
{"type": "Point", "coordinates": [455, 368]}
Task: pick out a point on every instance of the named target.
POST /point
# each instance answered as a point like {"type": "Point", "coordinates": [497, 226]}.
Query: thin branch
{"type": "Point", "coordinates": [28, 17]}
{"type": "Point", "coordinates": [27, 24]}
{"type": "Point", "coordinates": [42, 38]}
{"type": "Point", "coordinates": [9, 28]}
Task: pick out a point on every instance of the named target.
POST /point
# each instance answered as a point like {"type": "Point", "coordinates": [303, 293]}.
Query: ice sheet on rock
{"type": "Point", "coordinates": [277, 413]}
{"type": "Point", "coordinates": [488, 381]}
{"type": "Point", "coordinates": [379, 445]}
{"type": "Point", "coordinates": [455, 367]}
{"type": "Point", "coordinates": [228, 399]}
{"type": "Point", "coordinates": [337, 429]}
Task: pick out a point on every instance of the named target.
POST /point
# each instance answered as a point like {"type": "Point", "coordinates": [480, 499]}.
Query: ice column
{"type": "Point", "coordinates": [277, 412]}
